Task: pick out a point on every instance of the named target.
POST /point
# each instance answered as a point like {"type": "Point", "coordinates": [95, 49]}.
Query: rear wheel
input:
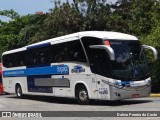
{"type": "Point", "coordinates": [82, 95]}
{"type": "Point", "coordinates": [19, 91]}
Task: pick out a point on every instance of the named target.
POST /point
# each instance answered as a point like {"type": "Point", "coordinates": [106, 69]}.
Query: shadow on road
{"type": "Point", "coordinates": [61, 100]}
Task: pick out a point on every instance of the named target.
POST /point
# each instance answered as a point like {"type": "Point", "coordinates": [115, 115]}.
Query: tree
{"type": "Point", "coordinates": [18, 32]}
{"type": "Point", "coordinates": [10, 13]}
{"type": "Point", "coordinates": [135, 16]}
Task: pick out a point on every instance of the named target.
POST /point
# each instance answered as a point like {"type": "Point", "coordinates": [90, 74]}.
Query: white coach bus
{"type": "Point", "coordinates": [85, 65]}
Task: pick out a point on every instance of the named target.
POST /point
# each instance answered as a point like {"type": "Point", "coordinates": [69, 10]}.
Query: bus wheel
{"type": "Point", "coordinates": [82, 95]}
{"type": "Point", "coordinates": [19, 91]}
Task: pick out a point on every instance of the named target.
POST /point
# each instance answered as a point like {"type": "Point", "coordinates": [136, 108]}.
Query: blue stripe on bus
{"type": "Point", "coordinates": [56, 69]}
{"type": "Point", "coordinates": [39, 46]}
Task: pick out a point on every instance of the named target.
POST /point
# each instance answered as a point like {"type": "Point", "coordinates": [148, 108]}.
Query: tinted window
{"type": "Point", "coordinates": [40, 55]}
{"type": "Point", "coordinates": [98, 58]}
{"type": "Point", "coordinates": [68, 51]}
{"type": "Point", "coordinates": [14, 59]}
{"type": "Point", "coordinates": [130, 63]}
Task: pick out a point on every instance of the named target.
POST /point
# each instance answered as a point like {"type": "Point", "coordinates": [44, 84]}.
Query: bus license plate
{"type": "Point", "coordinates": [135, 96]}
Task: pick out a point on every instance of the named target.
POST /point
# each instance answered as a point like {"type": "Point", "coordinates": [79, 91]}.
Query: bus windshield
{"type": "Point", "coordinates": [130, 62]}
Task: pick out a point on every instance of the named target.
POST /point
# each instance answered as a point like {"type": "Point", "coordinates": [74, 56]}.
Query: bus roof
{"type": "Point", "coordinates": [108, 35]}
{"type": "Point", "coordinates": [99, 34]}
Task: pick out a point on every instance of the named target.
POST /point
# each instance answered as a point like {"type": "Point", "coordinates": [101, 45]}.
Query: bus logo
{"type": "Point", "coordinates": [62, 69]}
{"type": "Point", "coordinates": [77, 69]}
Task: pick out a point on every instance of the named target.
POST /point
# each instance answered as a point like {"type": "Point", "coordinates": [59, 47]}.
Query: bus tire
{"type": "Point", "coordinates": [82, 95]}
{"type": "Point", "coordinates": [19, 91]}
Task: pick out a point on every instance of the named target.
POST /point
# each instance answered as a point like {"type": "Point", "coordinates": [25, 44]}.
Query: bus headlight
{"type": "Point", "coordinates": [118, 94]}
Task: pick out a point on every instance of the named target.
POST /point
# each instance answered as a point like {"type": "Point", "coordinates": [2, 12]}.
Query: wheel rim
{"type": "Point", "coordinates": [83, 95]}
{"type": "Point", "coordinates": [18, 91]}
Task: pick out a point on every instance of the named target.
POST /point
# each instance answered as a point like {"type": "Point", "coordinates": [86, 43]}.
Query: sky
{"type": "Point", "coordinates": [24, 7]}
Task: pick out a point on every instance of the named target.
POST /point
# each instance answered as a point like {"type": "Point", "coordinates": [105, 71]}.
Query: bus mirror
{"type": "Point", "coordinates": [109, 50]}
{"type": "Point", "coordinates": [155, 53]}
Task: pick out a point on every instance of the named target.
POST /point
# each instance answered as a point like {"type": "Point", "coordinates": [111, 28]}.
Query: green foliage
{"type": "Point", "coordinates": [9, 42]}
{"type": "Point", "coordinates": [137, 17]}
{"type": "Point", "coordinates": [153, 39]}
{"type": "Point", "coordinates": [10, 13]}
{"type": "Point", "coordinates": [19, 32]}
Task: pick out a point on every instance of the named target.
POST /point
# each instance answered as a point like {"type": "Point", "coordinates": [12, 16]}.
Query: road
{"type": "Point", "coordinates": [43, 103]}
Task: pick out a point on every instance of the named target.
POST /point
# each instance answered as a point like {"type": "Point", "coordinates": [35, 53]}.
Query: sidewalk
{"type": "Point", "coordinates": [155, 95]}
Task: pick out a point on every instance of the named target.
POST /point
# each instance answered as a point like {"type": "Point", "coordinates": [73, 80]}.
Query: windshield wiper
{"type": "Point", "coordinates": [141, 51]}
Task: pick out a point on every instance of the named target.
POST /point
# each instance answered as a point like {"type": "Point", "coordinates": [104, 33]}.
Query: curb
{"type": "Point", "coordinates": [154, 95]}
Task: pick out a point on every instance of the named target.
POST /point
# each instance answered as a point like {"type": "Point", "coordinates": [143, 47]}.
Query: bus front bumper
{"type": "Point", "coordinates": [129, 92]}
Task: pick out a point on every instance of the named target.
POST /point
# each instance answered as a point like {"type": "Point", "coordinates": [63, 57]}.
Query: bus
{"type": "Point", "coordinates": [87, 65]}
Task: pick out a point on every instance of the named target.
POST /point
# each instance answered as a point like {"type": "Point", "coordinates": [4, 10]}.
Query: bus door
{"type": "Point", "coordinates": [100, 66]}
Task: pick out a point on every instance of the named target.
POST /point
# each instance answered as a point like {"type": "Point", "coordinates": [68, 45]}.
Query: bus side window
{"type": "Point", "coordinates": [14, 59]}
{"type": "Point", "coordinates": [40, 55]}
{"type": "Point", "coordinates": [45, 55]}
{"type": "Point", "coordinates": [99, 61]}
{"type": "Point", "coordinates": [87, 41]}
{"type": "Point", "coordinates": [20, 58]}
{"type": "Point", "coordinates": [56, 53]}
{"type": "Point", "coordinates": [68, 51]}
{"type": "Point", "coordinates": [76, 52]}
{"type": "Point", "coordinates": [5, 60]}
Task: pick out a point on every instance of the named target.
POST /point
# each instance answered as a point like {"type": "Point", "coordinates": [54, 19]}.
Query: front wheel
{"type": "Point", "coordinates": [82, 96]}
{"type": "Point", "coordinates": [19, 91]}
